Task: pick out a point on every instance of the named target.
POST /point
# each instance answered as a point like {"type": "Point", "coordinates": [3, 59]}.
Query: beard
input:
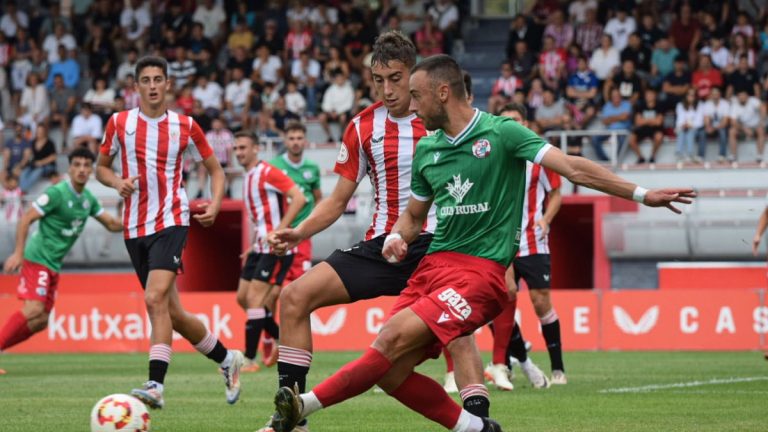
{"type": "Point", "coordinates": [436, 119]}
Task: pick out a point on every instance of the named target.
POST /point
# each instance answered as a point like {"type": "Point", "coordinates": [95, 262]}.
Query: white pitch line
{"type": "Point", "coordinates": [653, 387]}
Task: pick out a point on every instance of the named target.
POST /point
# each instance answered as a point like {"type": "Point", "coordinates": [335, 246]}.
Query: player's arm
{"type": "Point", "coordinates": [318, 194]}
{"type": "Point", "coordinates": [107, 176]}
{"type": "Point", "coordinates": [406, 229]}
{"type": "Point", "coordinates": [555, 200]}
{"type": "Point", "coordinates": [216, 172]}
{"type": "Point", "coordinates": [13, 262]}
{"type": "Point", "coordinates": [328, 210]}
{"type": "Point", "coordinates": [110, 222]}
{"type": "Point", "coordinates": [762, 224]}
{"type": "Point", "coordinates": [298, 200]}
{"type": "Point", "coordinates": [584, 172]}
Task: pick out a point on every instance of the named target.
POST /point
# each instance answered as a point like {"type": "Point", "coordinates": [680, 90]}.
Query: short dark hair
{"type": "Point", "coordinates": [443, 68]}
{"type": "Point", "coordinates": [467, 82]}
{"type": "Point", "coordinates": [247, 134]}
{"type": "Point", "coordinates": [295, 126]}
{"type": "Point", "coordinates": [513, 106]}
{"type": "Point", "coordinates": [393, 45]}
{"type": "Point", "coordinates": [151, 61]}
{"type": "Point", "coordinates": [81, 152]}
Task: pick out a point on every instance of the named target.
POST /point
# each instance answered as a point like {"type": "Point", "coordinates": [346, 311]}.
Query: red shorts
{"type": "Point", "coordinates": [302, 261]}
{"type": "Point", "coordinates": [38, 283]}
{"type": "Point", "coordinates": [454, 294]}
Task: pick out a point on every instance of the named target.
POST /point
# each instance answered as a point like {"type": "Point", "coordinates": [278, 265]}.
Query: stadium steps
{"type": "Point", "coordinates": [484, 50]}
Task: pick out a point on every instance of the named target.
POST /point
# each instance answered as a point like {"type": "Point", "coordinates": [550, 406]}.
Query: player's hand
{"type": "Point", "coordinates": [756, 244]}
{"type": "Point", "coordinates": [394, 248]}
{"type": "Point", "coordinates": [665, 198]}
{"type": "Point", "coordinates": [544, 228]}
{"type": "Point", "coordinates": [126, 187]}
{"type": "Point", "coordinates": [208, 217]}
{"type": "Point", "coordinates": [13, 263]}
{"type": "Point", "coordinates": [284, 239]}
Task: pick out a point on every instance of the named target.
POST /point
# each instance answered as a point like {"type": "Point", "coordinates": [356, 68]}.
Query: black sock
{"type": "Point", "coordinates": [218, 353]}
{"type": "Point", "coordinates": [270, 326]}
{"type": "Point", "coordinates": [157, 370]}
{"type": "Point", "coordinates": [516, 346]}
{"type": "Point", "coordinates": [288, 374]}
{"type": "Point", "coordinates": [253, 329]}
{"type": "Point", "coordinates": [478, 405]}
{"type": "Point", "coordinates": [551, 333]}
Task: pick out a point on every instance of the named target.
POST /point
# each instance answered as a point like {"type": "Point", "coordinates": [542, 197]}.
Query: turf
{"type": "Point", "coordinates": [56, 393]}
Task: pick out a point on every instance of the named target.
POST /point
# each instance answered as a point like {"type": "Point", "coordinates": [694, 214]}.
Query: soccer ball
{"type": "Point", "coordinates": [119, 412]}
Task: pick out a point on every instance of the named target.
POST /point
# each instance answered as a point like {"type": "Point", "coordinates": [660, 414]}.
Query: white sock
{"type": "Point", "coordinates": [227, 360]}
{"type": "Point", "coordinates": [310, 404]}
{"type": "Point", "coordinates": [526, 364]}
{"type": "Point", "coordinates": [468, 423]}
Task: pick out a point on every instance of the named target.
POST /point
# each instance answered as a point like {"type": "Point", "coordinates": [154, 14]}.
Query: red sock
{"type": "Point", "coordinates": [353, 378]}
{"type": "Point", "coordinates": [14, 331]}
{"type": "Point", "coordinates": [448, 360]}
{"type": "Point", "coordinates": [427, 397]}
{"type": "Point", "coordinates": [502, 330]}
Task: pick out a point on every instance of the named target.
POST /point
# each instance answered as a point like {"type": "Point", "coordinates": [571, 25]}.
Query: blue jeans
{"type": "Point", "coordinates": [722, 140]}
{"type": "Point", "coordinates": [31, 174]}
{"type": "Point", "coordinates": [597, 145]}
{"type": "Point", "coordinates": [685, 139]}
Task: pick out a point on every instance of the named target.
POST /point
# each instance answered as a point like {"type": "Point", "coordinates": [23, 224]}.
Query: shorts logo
{"type": "Point", "coordinates": [264, 273]}
{"type": "Point", "coordinates": [443, 318]}
{"type": "Point", "coordinates": [546, 277]}
{"type": "Point", "coordinates": [457, 305]}
{"type": "Point", "coordinates": [176, 260]}
{"type": "Point", "coordinates": [41, 291]}
{"type": "Point", "coordinates": [481, 148]}
{"type": "Point", "coordinates": [343, 156]}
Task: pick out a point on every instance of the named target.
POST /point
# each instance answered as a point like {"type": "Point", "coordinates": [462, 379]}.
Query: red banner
{"type": "Point", "coordinates": [620, 320]}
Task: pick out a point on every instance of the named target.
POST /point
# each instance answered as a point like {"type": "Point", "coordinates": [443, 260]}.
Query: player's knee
{"type": "Point", "coordinates": [292, 303]}
{"type": "Point", "coordinates": [242, 299]}
{"type": "Point", "coordinates": [34, 310]}
{"type": "Point", "coordinates": [390, 342]}
{"type": "Point", "coordinates": [541, 303]}
{"type": "Point", "coordinates": [155, 301]}
{"type": "Point", "coordinates": [39, 322]}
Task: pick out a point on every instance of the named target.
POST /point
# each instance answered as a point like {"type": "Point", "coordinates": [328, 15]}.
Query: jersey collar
{"type": "Point", "coordinates": [150, 119]}
{"type": "Point", "coordinates": [291, 163]}
{"type": "Point", "coordinates": [464, 132]}
{"type": "Point", "coordinates": [72, 188]}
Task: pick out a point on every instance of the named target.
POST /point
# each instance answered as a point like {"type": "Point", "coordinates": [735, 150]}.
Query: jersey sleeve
{"type": "Point", "coordinates": [199, 146]}
{"type": "Point", "coordinates": [420, 187]}
{"type": "Point", "coordinates": [315, 183]}
{"type": "Point", "coordinates": [110, 144]}
{"type": "Point", "coordinates": [278, 180]}
{"type": "Point", "coordinates": [550, 180]}
{"type": "Point", "coordinates": [47, 201]}
{"type": "Point", "coordinates": [521, 142]}
{"type": "Point", "coordinates": [96, 208]}
{"type": "Point", "coordinates": [351, 162]}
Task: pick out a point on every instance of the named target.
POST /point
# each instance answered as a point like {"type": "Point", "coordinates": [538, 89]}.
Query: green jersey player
{"type": "Point", "coordinates": [473, 169]}
{"type": "Point", "coordinates": [62, 211]}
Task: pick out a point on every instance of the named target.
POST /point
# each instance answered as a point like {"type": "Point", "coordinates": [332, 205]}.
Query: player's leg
{"type": "Point", "coordinates": [243, 287]}
{"type": "Point", "coordinates": [450, 377]}
{"type": "Point", "coordinates": [193, 330]}
{"type": "Point", "coordinates": [37, 288]}
{"type": "Point", "coordinates": [271, 329]}
{"type": "Point", "coordinates": [516, 347]}
{"type": "Point", "coordinates": [531, 271]}
{"type": "Point", "coordinates": [550, 323]}
{"type": "Point", "coordinates": [469, 375]}
{"type": "Point", "coordinates": [503, 325]}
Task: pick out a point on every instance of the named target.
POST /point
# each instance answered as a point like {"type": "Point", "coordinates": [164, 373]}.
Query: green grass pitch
{"type": "Point", "coordinates": [607, 391]}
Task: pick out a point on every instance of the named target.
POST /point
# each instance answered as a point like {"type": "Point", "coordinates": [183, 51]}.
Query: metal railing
{"type": "Point", "coordinates": [614, 153]}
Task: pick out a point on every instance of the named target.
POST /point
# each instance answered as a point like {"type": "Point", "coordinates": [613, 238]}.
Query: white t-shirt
{"type": "Point", "coordinates": [135, 21]}
{"type": "Point", "coordinates": [9, 27]}
{"type": "Point", "coordinates": [620, 31]}
{"type": "Point", "coordinates": [210, 96]}
{"type": "Point", "coordinates": [298, 73]}
{"type": "Point", "coordinates": [747, 114]}
{"type": "Point", "coordinates": [104, 99]}
{"type": "Point", "coordinates": [716, 113]}
{"type": "Point", "coordinates": [720, 57]}
{"type": "Point", "coordinates": [90, 126]}
{"type": "Point", "coordinates": [444, 15]}
{"type": "Point", "coordinates": [269, 70]}
{"type": "Point", "coordinates": [211, 19]}
{"type": "Point", "coordinates": [51, 45]}
{"type": "Point", "coordinates": [331, 16]}
{"type": "Point", "coordinates": [237, 93]}
{"type": "Point", "coordinates": [295, 103]}
{"type": "Point", "coordinates": [603, 62]}
{"type": "Point", "coordinates": [578, 10]}
{"type": "Point", "coordinates": [35, 102]}
{"type": "Point", "coordinates": [688, 116]}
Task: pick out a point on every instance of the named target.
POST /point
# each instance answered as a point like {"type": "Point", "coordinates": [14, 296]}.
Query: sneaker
{"type": "Point", "coordinates": [721, 159]}
{"type": "Point", "coordinates": [640, 160]}
{"type": "Point", "coordinates": [499, 376]}
{"type": "Point", "coordinates": [232, 376]}
{"type": "Point", "coordinates": [298, 428]}
{"type": "Point", "coordinates": [558, 377]}
{"type": "Point", "coordinates": [271, 359]}
{"type": "Point", "coordinates": [490, 425]}
{"type": "Point", "coordinates": [697, 159]}
{"type": "Point", "coordinates": [450, 383]}
{"type": "Point", "coordinates": [151, 394]}
{"type": "Point", "coordinates": [250, 365]}
{"type": "Point", "coordinates": [534, 374]}
{"type": "Point", "coordinates": [512, 363]}
{"type": "Point", "coordinates": [287, 409]}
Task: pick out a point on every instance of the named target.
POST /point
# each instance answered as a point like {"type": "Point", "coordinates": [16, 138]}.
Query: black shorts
{"type": "Point", "coordinates": [366, 274]}
{"type": "Point", "coordinates": [266, 268]}
{"type": "Point", "coordinates": [159, 251]}
{"type": "Point", "coordinates": [534, 269]}
{"type": "Point", "coordinates": [644, 132]}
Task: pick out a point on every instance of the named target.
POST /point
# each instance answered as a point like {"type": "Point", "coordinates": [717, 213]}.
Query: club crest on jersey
{"type": "Point", "coordinates": [174, 137]}
{"type": "Point", "coordinates": [343, 154]}
{"type": "Point", "coordinates": [307, 175]}
{"type": "Point", "coordinates": [481, 148]}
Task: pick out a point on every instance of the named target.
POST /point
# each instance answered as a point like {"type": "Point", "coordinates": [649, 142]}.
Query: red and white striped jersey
{"type": "Point", "coordinates": [264, 190]}
{"type": "Point", "coordinates": [382, 147]}
{"type": "Point", "coordinates": [153, 149]}
{"type": "Point", "coordinates": [539, 182]}
{"type": "Point", "coordinates": [12, 207]}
